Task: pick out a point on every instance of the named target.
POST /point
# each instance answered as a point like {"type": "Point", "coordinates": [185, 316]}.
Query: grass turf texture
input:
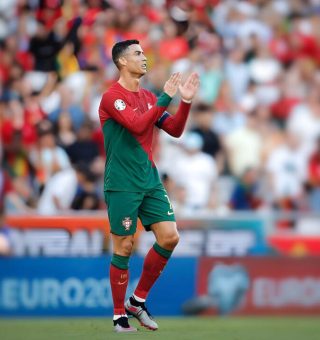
{"type": "Point", "coordinates": [244, 328]}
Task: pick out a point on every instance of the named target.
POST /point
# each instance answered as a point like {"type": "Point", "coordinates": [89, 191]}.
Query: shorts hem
{"type": "Point", "coordinates": [127, 234]}
{"type": "Point", "coordinates": [147, 227]}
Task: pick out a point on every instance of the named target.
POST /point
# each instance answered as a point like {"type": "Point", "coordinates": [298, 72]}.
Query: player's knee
{"type": "Point", "coordinates": [175, 240]}
{"type": "Point", "coordinates": [126, 247]}
{"type": "Point", "coordinates": [171, 241]}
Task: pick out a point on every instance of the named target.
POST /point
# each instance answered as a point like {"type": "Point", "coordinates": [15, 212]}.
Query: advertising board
{"type": "Point", "coordinates": [89, 236]}
{"type": "Point", "coordinates": [70, 286]}
{"type": "Point", "coordinates": [215, 238]}
{"type": "Point", "coordinates": [257, 285]}
{"type": "Point", "coordinates": [296, 245]}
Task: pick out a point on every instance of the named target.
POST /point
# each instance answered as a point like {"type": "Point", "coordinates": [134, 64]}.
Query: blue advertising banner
{"type": "Point", "coordinates": [80, 286]}
{"type": "Point", "coordinates": [216, 238]}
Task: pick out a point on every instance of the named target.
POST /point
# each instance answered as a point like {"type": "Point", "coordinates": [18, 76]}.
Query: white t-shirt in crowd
{"type": "Point", "coordinates": [196, 173]}
{"type": "Point", "coordinates": [245, 146]}
{"type": "Point", "coordinates": [62, 187]}
{"type": "Point", "coordinates": [304, 124]}
{"type": "Point", "coordinates": [288, 172]}
{"type": "Point", "coordinates": [264, 70]}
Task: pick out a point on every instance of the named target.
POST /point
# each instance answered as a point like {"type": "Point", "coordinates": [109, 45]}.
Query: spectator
{"type": "Point", "coordinates": [172, 46]}
{"type": "Point", "coordinates": [304, 120]}
{"type": "Point", "coordinates": [84, 149]}
{"type": "Point", "coordinates": [265, 72]}
{"type": "Point", "coordinates": [16, 159]}
{"type": "Point", "coordinates": [287, 172]}
{"type": "Point", "coordinates": [210, 79]}
{"type": "Point", "coordinates": [86, 196]}
{"type": "Point", "coordinates": [227, 117]}
{"type": "Point", "coordinates": [47, 42]}
{"type": "Point", "coordinates": [44, 46]}
{"type": "Point", "coordinates": [67, 103]}
{"type": "Point", "coordinates": [20, 196]}
{"type": "Point", "coordinates": [245, 195]}
{"type": "Point", "coordinates": [195, 171]}
{"type": "Point", "coordinates": [58, 192]}
{"type": "Point", "coordinates": [264, 68]}
{"type": "Point", "coordinates": [64, 130]}
{"type": "Point", "coordinates": [244, 147]}
{"type": "Point", "coordinates": [47, 158]}
{"type": "Point", "coordinates": [203, 117]}
{"type": "Point", "coordinates": [237, 73]}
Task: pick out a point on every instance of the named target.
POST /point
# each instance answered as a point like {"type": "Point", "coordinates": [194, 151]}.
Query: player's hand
{"type": "Point", "coordinates": [172, 84]}
{"type": "Point", "coordinates": [190, 87]}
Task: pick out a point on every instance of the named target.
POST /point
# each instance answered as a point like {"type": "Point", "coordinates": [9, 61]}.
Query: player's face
{"type": "Point", "coordinates": [136, 60]}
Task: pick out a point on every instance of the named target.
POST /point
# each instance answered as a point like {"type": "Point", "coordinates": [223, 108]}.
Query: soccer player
{"type": "Point", "coordinates": [128, 115]}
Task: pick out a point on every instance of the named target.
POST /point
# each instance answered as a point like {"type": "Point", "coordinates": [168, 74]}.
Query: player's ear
{"type": "Point", "coordinates": [122, 61]}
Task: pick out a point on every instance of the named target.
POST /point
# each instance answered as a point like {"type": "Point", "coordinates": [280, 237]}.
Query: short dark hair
{"type": "Point", "coordinates": [45, 127]}
{"type": "Point", "coordinates": [120, 47]}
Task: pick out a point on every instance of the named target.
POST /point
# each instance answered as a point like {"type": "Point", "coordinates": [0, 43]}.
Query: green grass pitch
{"type": "Point", "coordinates": [207, 328]}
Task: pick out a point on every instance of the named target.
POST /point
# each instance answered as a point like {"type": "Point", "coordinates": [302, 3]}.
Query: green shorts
{"type": "Point", "coordinates": [124, 208]}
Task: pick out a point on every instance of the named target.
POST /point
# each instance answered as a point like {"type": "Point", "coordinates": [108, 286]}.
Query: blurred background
{"type": "Point", "coordinates": [244, 179]}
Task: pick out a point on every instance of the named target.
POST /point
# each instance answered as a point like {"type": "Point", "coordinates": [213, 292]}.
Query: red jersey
{"type": "Point", "coordinates": [128, 120]}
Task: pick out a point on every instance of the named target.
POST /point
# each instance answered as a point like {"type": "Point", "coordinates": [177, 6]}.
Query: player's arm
{"type": "Point", "coordinates": [174, 124]}
{"type": "Point", "coordinates": [116, 107]}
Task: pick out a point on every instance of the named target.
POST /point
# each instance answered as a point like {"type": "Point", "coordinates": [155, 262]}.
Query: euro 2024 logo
{"type": "Point", "coordinates": [227, 286]}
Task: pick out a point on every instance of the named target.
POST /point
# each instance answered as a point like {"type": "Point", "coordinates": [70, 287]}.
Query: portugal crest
{"type": "Point", "coordinates": [127, 223]}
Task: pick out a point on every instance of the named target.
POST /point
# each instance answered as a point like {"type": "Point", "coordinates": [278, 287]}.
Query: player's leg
{"type": "Point", "coordinates": [119, 277]}
{"type": "Point", "coordinates": [157, 213]}
{"type": "Point", "coordinates": [167, 238]}
{"type": "Point", "coordinates": [122, 211]}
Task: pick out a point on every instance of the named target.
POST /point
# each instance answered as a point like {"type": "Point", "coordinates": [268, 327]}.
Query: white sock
{"type": "Point", "coordinates": [138, 299]}
{"type": "Point", "coordinates": [118, 316]}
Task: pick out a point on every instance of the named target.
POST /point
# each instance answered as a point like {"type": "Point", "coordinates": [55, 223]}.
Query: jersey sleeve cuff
{"type": "Point", "coordinates": [164, 100]}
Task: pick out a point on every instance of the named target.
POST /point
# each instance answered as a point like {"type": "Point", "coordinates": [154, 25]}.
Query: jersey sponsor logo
{"type": "Point", "coordinates": [119, 104]}
{"type": "Point", "coordinates": [149, 106]}
{"type": "Point", "coordinates": [170, 213]}
{"type": "Point", "coordinates": [127, 223]}
{"type": "Point", "coordinates": [135, 109]}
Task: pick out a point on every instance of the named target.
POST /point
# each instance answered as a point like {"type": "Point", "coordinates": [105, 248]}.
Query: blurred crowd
{"type": "Point", "coordinates": [253, 136]}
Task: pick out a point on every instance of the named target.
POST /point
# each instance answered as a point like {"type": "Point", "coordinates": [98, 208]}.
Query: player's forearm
{"type": "Point", "coordinates": [175, 124]}
{"type": "Point", "coordinates": [139, 123]}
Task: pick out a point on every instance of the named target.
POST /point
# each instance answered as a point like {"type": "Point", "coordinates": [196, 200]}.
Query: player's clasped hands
{"type": "Point", "coordinates": [187, 90]}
